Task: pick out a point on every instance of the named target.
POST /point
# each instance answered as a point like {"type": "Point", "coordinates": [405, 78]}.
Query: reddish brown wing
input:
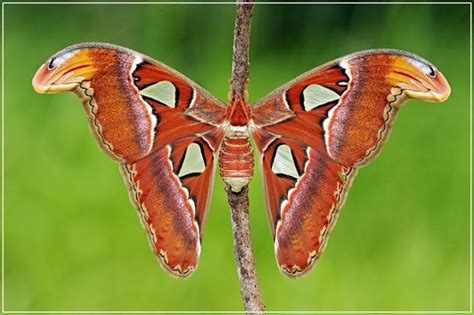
{"type": "Point", "coordinates": [316, 131]}
{"type": "Point", "coordinates": [172, 199]}
{"type": "Point", "coordinates": [164, 130]}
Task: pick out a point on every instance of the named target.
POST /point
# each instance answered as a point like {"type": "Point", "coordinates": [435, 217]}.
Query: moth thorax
{"type": "Point", "coordinates": [236, 162]}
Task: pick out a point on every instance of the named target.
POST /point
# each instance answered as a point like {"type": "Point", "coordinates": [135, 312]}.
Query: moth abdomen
{"type": "Point", "coordinates": [236, 162]}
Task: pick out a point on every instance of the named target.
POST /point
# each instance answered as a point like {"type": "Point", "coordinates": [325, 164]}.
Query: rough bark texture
{"type": "Point", "coordinates": [239, 202]}
{"type": "Point", "coordinates": [240, 59]}
{"type": "Point", "coordinates": [249, 287]}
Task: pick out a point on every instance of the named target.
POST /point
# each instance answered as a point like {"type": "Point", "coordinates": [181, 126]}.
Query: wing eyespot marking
{"type": "Point", "coordinates": [432, 72]}
{"type": "Point", "coordinates": [164, 92]}
{"type": "Point", "coordinates": [423, 66]}
{"type": "Point", "coordinates": [52, 63]}
{"type": "Point", "coordinates": [284, 164]}
{"type": "Point", "coordinates": [316, 95]}
{"type": "Point", "coordinates": [194, 162]}
{"type": "Point", "coordinates": [58, 60]}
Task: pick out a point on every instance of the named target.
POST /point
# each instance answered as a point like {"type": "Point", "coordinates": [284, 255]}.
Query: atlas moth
{"type": "Point", "coordinates": [168, 134]}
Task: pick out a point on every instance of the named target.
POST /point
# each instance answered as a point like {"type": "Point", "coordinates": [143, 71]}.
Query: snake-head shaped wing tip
{"type": "Point", "coordinates": [419, 79]}
{"type": "Point", "coordinates": [68, 68]}
{"type": "Point", "coordinates": [64, 71]}
{"type": "Point", "coordinates": [439, 88]}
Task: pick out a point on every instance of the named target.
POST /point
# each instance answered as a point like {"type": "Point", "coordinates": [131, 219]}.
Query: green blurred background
{"type": "Point", "coordinates": [73, 240]}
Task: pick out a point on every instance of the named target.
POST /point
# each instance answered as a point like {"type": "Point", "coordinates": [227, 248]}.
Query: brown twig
{"type": "Point", "coordinates": [239, 202]}
{"type": "Point", "coordinates": [240, 58]}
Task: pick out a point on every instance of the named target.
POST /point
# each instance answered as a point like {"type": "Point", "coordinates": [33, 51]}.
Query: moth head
{"type": "Point", "coordinates": [64, 71]}
{"type": "Point", "coordinates": [238, 112]}
{"type": "Point", "coordinates": [419, 79]}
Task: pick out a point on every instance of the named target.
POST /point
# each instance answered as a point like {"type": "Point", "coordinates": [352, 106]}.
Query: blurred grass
{"type": "Point", "coordinates": [73, 240]}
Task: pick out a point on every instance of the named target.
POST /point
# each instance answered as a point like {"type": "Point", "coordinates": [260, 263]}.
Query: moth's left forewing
{"type": "Point", "coordinates": [134, 103]}
{"type": "Point", "coordinates": [314, 132]}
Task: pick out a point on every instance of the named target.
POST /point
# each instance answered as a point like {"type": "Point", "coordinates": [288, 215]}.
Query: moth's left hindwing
{"type": "Point", "coordinates": [171, 190]}
{"type": "Point", "coordinates": [163, 128]}
{"type": "Point", "coordinates": [316, 131]}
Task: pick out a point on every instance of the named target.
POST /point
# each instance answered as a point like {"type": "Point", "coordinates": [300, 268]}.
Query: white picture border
{"type": "Point", "coordinates": [232, 312]}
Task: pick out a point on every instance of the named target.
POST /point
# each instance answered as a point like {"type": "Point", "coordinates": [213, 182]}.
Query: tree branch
{"type": "Point", "coordinates": [239, 202]}
{"type": "Point", "coordinates": [240, 58]}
